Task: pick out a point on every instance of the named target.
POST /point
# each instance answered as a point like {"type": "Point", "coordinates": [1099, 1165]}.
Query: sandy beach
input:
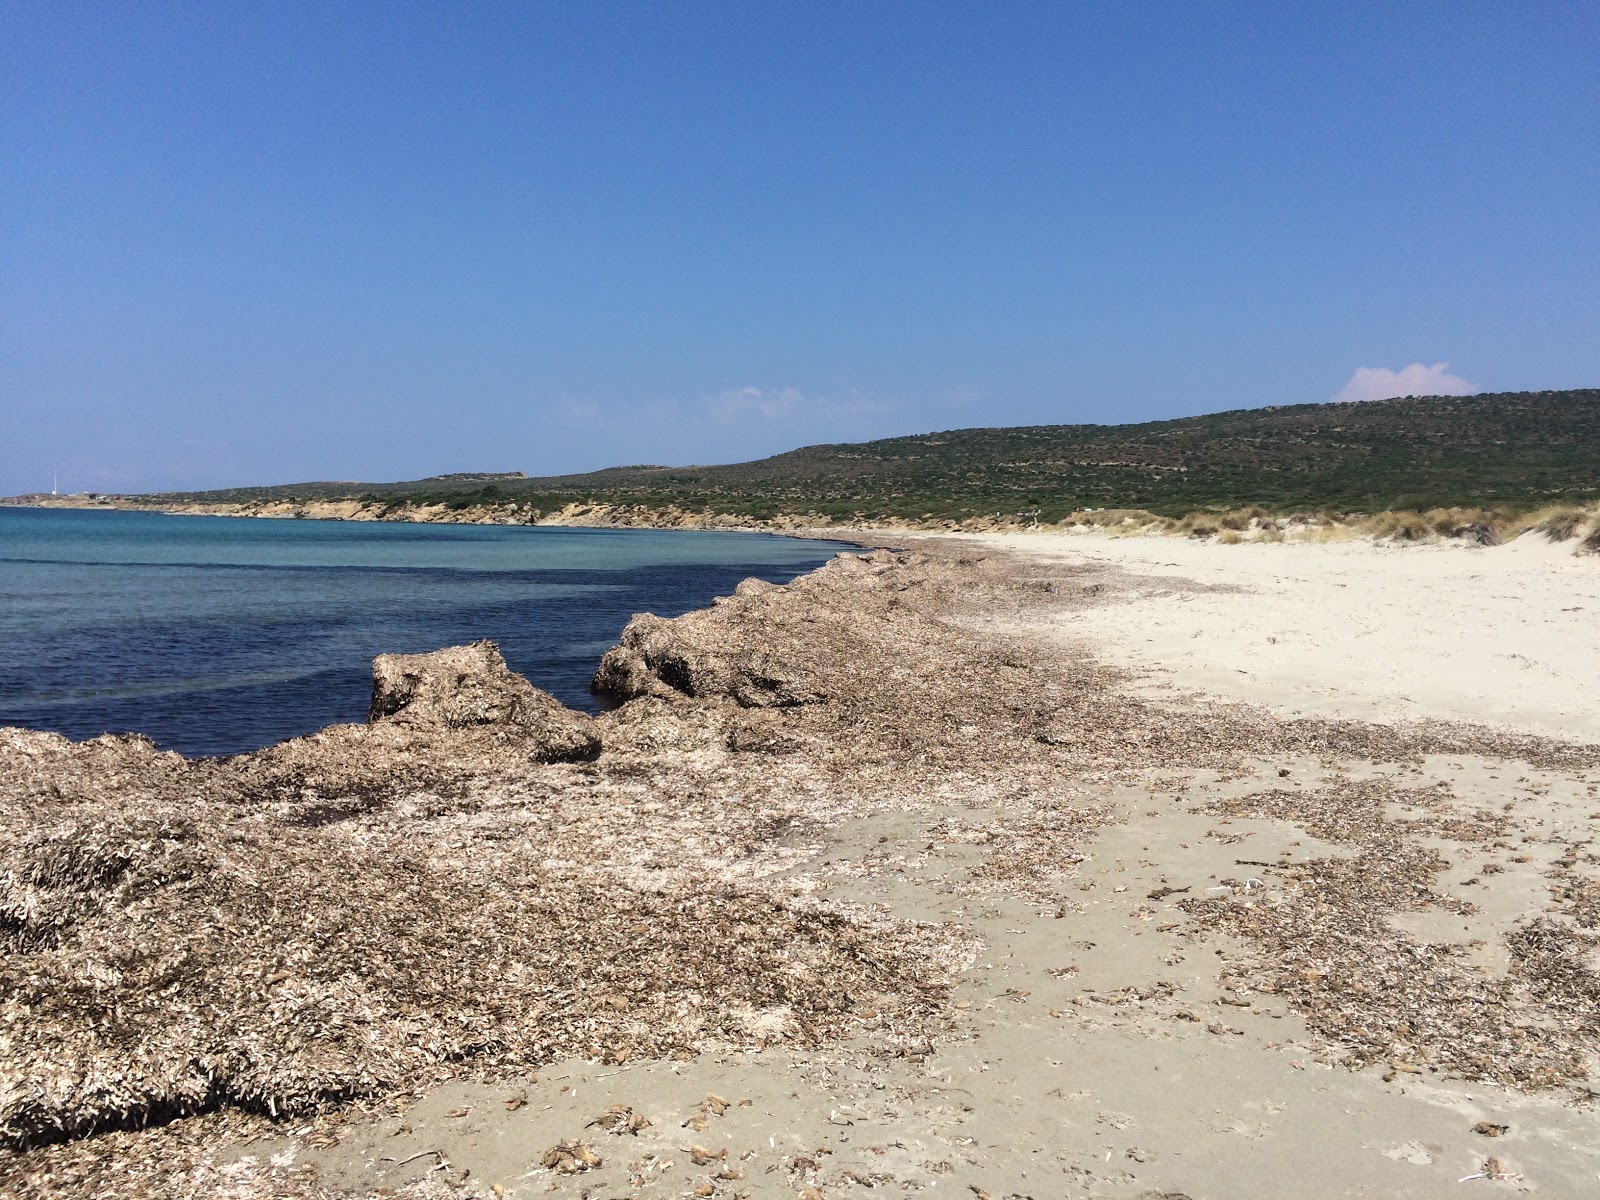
{"type": "Point", "coordinates": [1000, 866]}
{"type": "Point", "coordinates": [1504, 635]}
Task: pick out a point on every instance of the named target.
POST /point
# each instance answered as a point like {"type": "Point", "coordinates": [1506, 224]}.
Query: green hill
{"type": "Point", "coordinates": [1516, 449]}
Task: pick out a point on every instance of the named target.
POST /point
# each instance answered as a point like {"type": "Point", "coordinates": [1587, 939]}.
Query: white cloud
{"type": "Point", "coordinates": [790, 407]}
{"type": "Point", "coordinates": [736, 424]}
{"type": "Point", "coordinates": [747, 403]}
{"type": "Point", "coordinates": [1380, 383]}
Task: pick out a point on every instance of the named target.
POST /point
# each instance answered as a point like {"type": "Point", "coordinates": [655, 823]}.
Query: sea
{"type": "Point", "coordinates": [219, 635]}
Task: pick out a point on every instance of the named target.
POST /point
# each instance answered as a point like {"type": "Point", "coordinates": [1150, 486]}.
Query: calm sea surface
{"type": "Point", "coordinates": [215, 635]}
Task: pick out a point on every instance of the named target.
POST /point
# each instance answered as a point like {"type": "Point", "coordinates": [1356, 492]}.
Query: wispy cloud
{"type": "Point", "coordinates": [790, 406]}
{"type": "Point", "coordinates": [739, 423]}
{"type": "Point", "coordinates": [754, 404]}
{"type": "Point", "coordinates": [1380, 383]}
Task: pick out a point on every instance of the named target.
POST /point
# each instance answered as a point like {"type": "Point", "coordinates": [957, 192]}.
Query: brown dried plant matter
{"type": "Point", "coordinates": [570, 1157]}
{"type": "Point", "coordinates": [1320, 937]}
{"type": "Point", "coordinates": [181, 958]}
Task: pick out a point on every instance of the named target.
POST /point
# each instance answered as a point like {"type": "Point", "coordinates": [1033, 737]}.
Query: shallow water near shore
{"type": "Point", "coordinates": [217, 635]}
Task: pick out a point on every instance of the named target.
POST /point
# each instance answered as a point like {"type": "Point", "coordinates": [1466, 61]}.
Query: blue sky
{"type": "Point", "coordinates": [246, 243]}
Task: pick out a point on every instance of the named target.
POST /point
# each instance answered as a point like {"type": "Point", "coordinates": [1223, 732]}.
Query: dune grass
{"type": "Point", "coordinates": [1474, 526]}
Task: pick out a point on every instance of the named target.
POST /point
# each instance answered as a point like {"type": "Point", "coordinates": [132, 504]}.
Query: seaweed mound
{"type": "Point", "coordinates": [839, 634]}
{"type": "Point", "coordinates": [670, 659]}
{"type": "Point", "coordinates": [461, 687]}
{"type": "Point", "coordinates": [203, 949]}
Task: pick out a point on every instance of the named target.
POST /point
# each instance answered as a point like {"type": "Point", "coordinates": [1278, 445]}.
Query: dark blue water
{"type": "Point", "coordinates": [215, 635]}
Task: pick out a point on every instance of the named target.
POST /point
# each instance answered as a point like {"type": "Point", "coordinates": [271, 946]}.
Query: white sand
{"type": "Point", "coordinates": [1507, 636]}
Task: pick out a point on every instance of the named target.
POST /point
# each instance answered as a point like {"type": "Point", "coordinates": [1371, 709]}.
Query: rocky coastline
{"type": "Point", "coordinates": [857, 887]}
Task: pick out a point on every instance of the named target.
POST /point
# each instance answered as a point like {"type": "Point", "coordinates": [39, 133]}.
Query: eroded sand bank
{"type": "Point", "coordinates": [897, 880]}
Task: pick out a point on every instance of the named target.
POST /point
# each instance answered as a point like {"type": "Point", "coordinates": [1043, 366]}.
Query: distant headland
{"type": "Point", "coordinates": [1463, 465]}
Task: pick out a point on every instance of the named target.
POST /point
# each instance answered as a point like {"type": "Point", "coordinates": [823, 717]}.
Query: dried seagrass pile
{"type": "Point", "coordinates": [180, 960]}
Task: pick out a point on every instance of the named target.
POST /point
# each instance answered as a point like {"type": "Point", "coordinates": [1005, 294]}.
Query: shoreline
{"type": "Point", "coordinates": [1576, 527]}
{"type": "Point", "coordinates": [217, 685]}
{"type": "Point", "coordinates": [1116, 941]}
{"type": "Point", "coordinates": [621, 517]}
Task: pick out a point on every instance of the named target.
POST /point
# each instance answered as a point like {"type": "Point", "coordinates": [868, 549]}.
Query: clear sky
{"type": "Point", "coordinates": [256, 243]}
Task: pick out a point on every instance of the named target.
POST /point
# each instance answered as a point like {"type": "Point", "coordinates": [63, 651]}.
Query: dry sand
{"type": "Point", "coordinates": [1199, 950]}
{"type": "Point", "coordinates": [1505, 635]}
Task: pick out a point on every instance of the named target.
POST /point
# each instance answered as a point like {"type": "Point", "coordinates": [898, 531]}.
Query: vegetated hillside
{"type": "Point", "coordinates": [1506, 449]}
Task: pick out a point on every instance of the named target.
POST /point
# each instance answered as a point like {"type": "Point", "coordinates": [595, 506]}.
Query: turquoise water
{"type": "Point", "coordinates": [215, 635]}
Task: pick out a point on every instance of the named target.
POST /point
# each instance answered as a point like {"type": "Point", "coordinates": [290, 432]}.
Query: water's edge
{"type": "Point", "coordinates": [209, 682]}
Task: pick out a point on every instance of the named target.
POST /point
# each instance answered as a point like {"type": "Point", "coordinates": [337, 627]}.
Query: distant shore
{"type": "Point", "coordinates": [1575, 527]}
{"type": "Point", "coordinates": [599, 516]}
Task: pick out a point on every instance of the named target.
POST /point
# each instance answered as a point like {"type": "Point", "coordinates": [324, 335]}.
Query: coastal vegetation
{"type": "Point", "coordinates": [1502, 454]}
{"type": "Point", "coordinates": [1484, 526]}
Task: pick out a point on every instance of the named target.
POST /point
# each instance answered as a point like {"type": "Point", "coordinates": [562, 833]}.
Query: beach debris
{"type": "Point", "coordinates": [570, 1157]}
{"type": "Point", "coordinates": [1322, 939]}
{"type": "Point", "coordinates": [382, 930]}
{"type": "Point", "coordinates": [1493, 1169]}
{"type": "Point", "coordinates": [438, 1155]}
{"type": "Point", "coordinates": [1490, 1129]}
{"type": "Point", "coordinates": [620, 1119]}
{"type": "Point", "coordinates": [1131, 997]}
{"type": "Point", "coordinates": [464, 686]}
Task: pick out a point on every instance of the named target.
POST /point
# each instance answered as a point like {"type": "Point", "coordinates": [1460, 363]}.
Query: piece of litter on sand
{"type": "Point", "coordinates": [1493, 1169]}
{"type": "Point", "coordinates": [400, 1162]}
